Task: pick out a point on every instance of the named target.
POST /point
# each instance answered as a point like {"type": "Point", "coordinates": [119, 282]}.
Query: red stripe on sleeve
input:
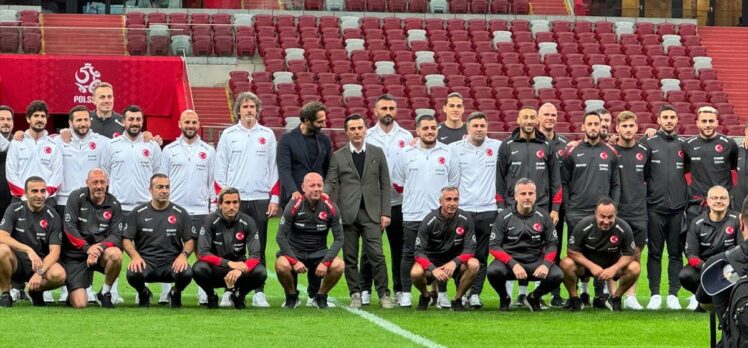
{"type": "Point", "coordinates": [108, 244]}
{"type": "Point", "coordinates": [501, 256]}
{"type": "Point", "coordinates": [551, 256]}
{"type": "Point", "coordinates": [211, 260]}
{"type": "Point", "coordinates": [216, 187]}
{"type": "Point", "coordinates": [327, 263]}
{"type": "Point", "coordinates": [558, 197]}
{"type": "Point", "coordinates": [465, 257]}
{"type": "Point", "coordinates": [51, 190]}
{"type": "Point", "coordinates": [694, 261]}
{"type": "Point", "coordinates": [276, 190]}
{"type": "Point", "coordinates": [291, 260]}
{"type": "Point", "coordinates": [15, 190]}
{"type": "Point", "coordinates": [251, 264]}
{"type": "Point", "coordinates": [397, 188]}
{"type": "Point", "coordinates": [424, 262]}
{"type": "Point", "coordinates": [76, 242]}
{"type": "Point", "coordinates": [500, 199]}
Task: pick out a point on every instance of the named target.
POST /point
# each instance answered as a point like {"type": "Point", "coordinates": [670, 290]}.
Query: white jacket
{"type": "Point", "coordinates": [190, 171]}
{"type": "Point", "coordinates": [393, 144]}
{"type": "Point", "coordinates": [30, 157]}
{"type": "Point", "coordinates": [130, 164]}
{"type": "Point", "coordinates": [78, 158]}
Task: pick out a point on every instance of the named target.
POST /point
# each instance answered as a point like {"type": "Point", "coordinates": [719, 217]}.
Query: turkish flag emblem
{"type": "Point", "coordinates": [172, 219]}
{"type": "Point", "coordinates": [604, 155]}
{"type": "Point", "coordinates": [460, 231]}
{"type": "Point", "coordinates": [613, 239]}
{"type": "Point", "coordinates": [239, 235]}
{"type": "Point", "coordinates": [47, 150]}
{"type": "Point", "coordinates": [323, 215]}
{"type": "Point", "coordinates": [43, 223]}
{"type": "Point", "coordinates": [116, 134]}
{"type": "Point", "coordinates": [680, 153]}
{"type": "Point", "coordinates": [730, 230]}
{"type": "Point", "coordinates": [540, 154]}
{"type": "Point", "coordinates": [561, 153]}
{"type": "Point", "coordinates": [537, 227]}
{"type": "Point", "coordinates": [442, 160]}
{"type": "Point", "coordinates": [719, 148]}
{"type": "Point", "coordinates": [639, 156]}
{"type": "Point", "coordinates": [92, 145]}
{"type": "Point", "coordinates": [146, 153]}
{"type": "Point", "coordinates": [202, 155]}
{"type": "Point", "coordinates": [107, 214]}
{"type": "Point", "coordinates": [262, 141]}
{"type": "Point", "coordinates": [489, 152]}
{"type": "Point", "coordinates": [401, 143]}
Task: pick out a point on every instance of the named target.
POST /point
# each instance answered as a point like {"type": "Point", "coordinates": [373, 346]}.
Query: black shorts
{"type": "Point", "coordinates": [160, 272]}
{"type": "Point", "coordinates": [588, 274]}
{"type": "Point", "coordinates": [24, 270]}
{"type": "Point", "coordinates": [79, 274]}
{"type": "Point", "coordinates": [640, 232]}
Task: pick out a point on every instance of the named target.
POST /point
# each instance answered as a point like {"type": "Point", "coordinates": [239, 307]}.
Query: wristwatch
{"type": "Point", "coordinates": [40, 272]}
{"type": "Point", "coordinates": [186, 254]}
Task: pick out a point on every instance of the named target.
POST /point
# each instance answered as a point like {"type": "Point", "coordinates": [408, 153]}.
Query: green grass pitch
{"type": "Point", "coordinates": [129, 326]}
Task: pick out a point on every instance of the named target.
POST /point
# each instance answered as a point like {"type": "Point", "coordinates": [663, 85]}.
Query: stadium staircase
{"type": "Point", "coordinates": [549, 7]}
{"type": "Point", "coordinates": [722, 44]}
{"type": "Point", "coordinates": [212, 105]}
{"type": "Point", "coordinates": [83, 34]}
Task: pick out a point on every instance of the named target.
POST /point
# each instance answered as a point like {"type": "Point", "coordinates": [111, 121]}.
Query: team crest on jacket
{"type": "Point", "coordinates": [47, 150]}
{"type": "Point", "coordinates": [262, 141]}
{"type": "Point", "coordinates": [116, 134]}
{"type": "Point", "coordinates": [146, 153]}
{"type": "Point", "coordinates": [401, 143]}
{"type": "Point", "coordinates": [172, 219]}
{"type": "Point", "coordinates": [203, 155]}
{"type": "Point", "coordinates": [561, 152]}
{"type": "Point", "coordinates": [43, 223]}
{"type": "Point", "coordinates": [613, 239]}
{"type": "Point", "coordinates": [239, 235]}
{"type": "Point", "coordinates": [639, 156]}
{"type": "Point", "coordinates": [729, 230]}
{"type": "Point", "coordinates": [489, 152]}
{"type": "Point", "coordinates": [107, 214]}
{"type": "Point", "coordinates": [680, 153]}
{"type": "Point", "coordinates": [323, 215]}
{"type": "Point", "coordinates": [537, 227]}
{"type": "Point", "coordinates": [460, 231]}
{"type": "Point", "coordinates": [540, 154]}
{"type": "Point", "coordinates": [604, 155]}
{"type": "Point", "coordinates": [92, 145]}
{"type": "Point", "coordinates": [442, 160]}
{"type": "Point", "coordinates": [719, 148]}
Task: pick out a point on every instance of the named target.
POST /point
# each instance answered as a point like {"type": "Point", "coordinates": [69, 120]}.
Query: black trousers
{"type": "Point", "coordinates": [159, 273]}
{"type": "Point", "coordinates": [498, 273]}
{"type": "Point", "coordinates": [370, 233]}
{"type": "Point", "coordinates": [690, 278]}
{"type": "Point", "coordinates": [483, 222]}
{"type": "Point", "coordinates": [210, 277]}
{"type": "Point", "coordinates": [395, 238]}
{"type": "Point", "coordinates": [561, 240]}
{"type": "Point", "coordinates": [410, 232]}
{"type": "Point", "coordinates": [257, 210]}
{"type": "Point", "coordinates": [664, 229]}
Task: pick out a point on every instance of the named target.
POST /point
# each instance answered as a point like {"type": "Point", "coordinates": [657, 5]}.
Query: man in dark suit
{"type": "Point", "coordinates": [359, 182]}
{"type": "Point", "coordinates": [304, 150]}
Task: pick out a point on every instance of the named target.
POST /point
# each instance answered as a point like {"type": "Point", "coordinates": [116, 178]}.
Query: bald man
{"type": "Point", "coordinates": [188, 162]}
{"type": "Point", "coordinates": [302, 238]}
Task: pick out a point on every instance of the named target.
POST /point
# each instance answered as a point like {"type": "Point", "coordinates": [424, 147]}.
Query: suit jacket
{"type": "Point", "coordinates": [294, 162]}
{"type": "Point", "coordinates": [345, 186]}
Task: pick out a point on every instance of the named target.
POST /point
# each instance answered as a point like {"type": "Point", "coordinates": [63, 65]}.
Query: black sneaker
{"type": "Point", "coordinates": [238, 300]}
{"type": "Point", "coordinates": [292, 301]}
{"type": "Point", "coordinates": [457, 305]}
{"type": "Point", "coordinates": [520, 301]}
{"type": "Point", "coordinates": [532, 302]}
{"type": "Point", "coordinates": [104, 300]}
{"type": "Point", "coordinates": [175, 298]}
{"type": "Point", "coordinates": [613, 303]}
{"type": "Point", "coordinates": [22, 296]}
{"type": "Point", "coordinates": [212, 300]}
{"type": "Point", "coordinates": [599, 301]}
{"type": "Point", "coordinates": [321, 301]}
{"type": "Point", "coordinates": [557, 301]}
{"type": "Point", "coordinates": [433, 296]}
{"type": "Point", "coordinates": [585, 298]}
{"type": "Point", "coordinates": [37, 298]}
{"type": "Point", "coordinates": [144, 298]}
{"type": "Point", "coordinates": [574, 304]}
{"type": "Point", "coordinates": [423, 302]}
{"type": "Point", "coordinates": [505, 303]}
{"type": "Point", "coordinates": [6, 300]}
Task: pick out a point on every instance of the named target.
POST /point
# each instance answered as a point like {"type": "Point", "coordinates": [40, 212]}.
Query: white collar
{"type": "Point", "coordinates": [353, 149]}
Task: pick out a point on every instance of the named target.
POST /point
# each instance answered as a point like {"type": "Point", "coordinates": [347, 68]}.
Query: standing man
{"type": "Point", "coordinates": [159, 239]}
{"type": "Point", "coordinates": [304, 150]}
{"type": "Point", "coordinates": [235, 264]}
{"type": "Point", "coordinates": [666, 201]}
{"type": "Point", "coordinates": [476, 156]}
{"type": "Point", "coordinates": [601, 246]}
{"type": "Point", "coordinates": [523, 241]}
{"type": "Point", "coordinates": [589, 172]}
{"type": "Point", "coordinates": [244, 145]}
{"type": "Point", "coordinates": [80, 155]}
{"type": "Point", "coordinates": [633, 165]}
{"type": "Point", "coordinates": [547, 116]}
{"type": "Point", "coordinates": [606, 120]}
{"type": "Point", "coordinates": [6, 129]}
{"type": "Point", "coordinates": [714, 231]}
{"type": "Point", "coordinates": [302, 238]}
{"type": "Point", "coordinates": [104, 120]}
{"type": "Point", "coordinates": [92, 240]}
{"type": "Point", "coordinates": [444, 249]}
{"type": "Point", "coordinates": [359, 181]}
{"type": "Point", "coordinates": [30, 238]}
{"type": "Point", "coordinates": [393, 139]}
{"type": "Point", "coordinates": [741, 188]}
{"type": "Point", "coordinates": [188, 162]}
{"type": "Point", "coordinates": [452, 129]}
{"type": "Point", "coordinates": [420, 171]}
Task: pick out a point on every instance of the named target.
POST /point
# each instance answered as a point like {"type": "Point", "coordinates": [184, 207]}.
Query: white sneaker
{"type": "Point", "coordinates": [398, 296]}
{"type": "Point", "coordinates": [673, 303]}
{"type": "Point", "coordinates": [655, 302]}
{"type": "Point", "coordinates": [405, 300]}
{"type": "Point", "coordinates": [632, 303]}
{"type": "Point", "coordinates": [474, 301]}
{"type": "Point", "coordinates": [91, 296]}
{"type": "Point", "coordinates": [116, 298]}
{"type": "Point", "coordinates": [226, 300]}
{"type": "Point", "coordinates": [15, 294]}
{"type": "Point", "coordinates": [311, 302]}
{"type": "Point", "coordinates": [259, 300]}
{"type": "Point", "coordinates": [63, 294]}
{"type": "Point", "coordinates": [47, 295]}
{"type": "Point", "coordinates": [365, 297]}
{"type": "Point", "coordinates": [202, 297]}
{"type": "Point", "coordinates": [442, 301]}
{"type": "Point", "coordinates": [165, 289]}
{"type": "Point", "coordinates": [692, 303]}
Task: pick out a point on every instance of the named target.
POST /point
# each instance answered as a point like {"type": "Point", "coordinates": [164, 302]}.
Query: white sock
{"type": "Point", "coordinates": [509, 288]}
{"type": "Point", "coordinates": [605, 289]}
{"type": "Point", "coordinates": [115, 287]}
{"type": "Point", "coordinates": [523, 290]}
{"type": "Point", "coordinates": [165, 287]}
{"type": "Point", "coordinates": [585, 287]}
{"type": "Point", "coordinates": [106, 288]}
